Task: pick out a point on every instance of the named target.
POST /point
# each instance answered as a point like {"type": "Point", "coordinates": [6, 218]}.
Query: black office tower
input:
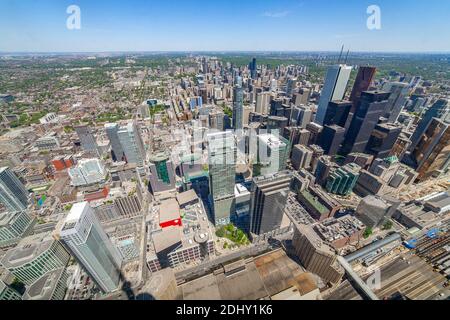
{"type": "Point", "coordinates": [363, 81]}
{"type": "Point", "coordinates": [269, 196]}
{"type": "Point", "coordinates": [253, 70]}
{"type": "Point", "coordinates": [331, 139]}
{"type": "Point", "coordinates": [368, 112]}
{"type": "Point", "coordinates": [337, 113]}
{"type": "Point", "coordinates": [276, 108]}
{"type": "Point", "coordinates": [382, 140]}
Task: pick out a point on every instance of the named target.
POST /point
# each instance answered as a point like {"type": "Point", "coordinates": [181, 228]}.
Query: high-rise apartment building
{"type": "Point", "coordinates": [302, 97]}
{"type": "Point", "coordinates": [301, 157]}
{"type": "Point", "coordinates": [222, 175]}
{"type": "Point", "coordinates": [290, 86]}
{"type": "Point", "coordinates": [238, 105]}
{"type": "Point", "coordinates": [253, 69]}
{"type": "Point", "coordinates": [14, 226]}
{"type": "Point", "coordinates": [8, 293]}
{"type": "Point", "coordinates": [34, 257]}
{"type": "Point", "coordinates": [263, 102]}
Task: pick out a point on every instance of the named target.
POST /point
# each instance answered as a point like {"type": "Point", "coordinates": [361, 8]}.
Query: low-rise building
{"type": "Point", "coordinates": [340, 232]}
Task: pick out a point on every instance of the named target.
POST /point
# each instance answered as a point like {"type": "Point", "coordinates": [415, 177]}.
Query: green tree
{"type": "Point", "coordinates": [388, 225]}
{"type": "Point", "coordinates": [367, 233]}
{"type": "Point", "coordinates": [220, 233]}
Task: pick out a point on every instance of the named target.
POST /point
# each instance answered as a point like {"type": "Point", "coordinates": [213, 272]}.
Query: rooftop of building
{"type": "Point", "coordinates": [258, 278]}
{"type": "Point", "coordinates": [159, 156]}
{"type": "Point", "coordinates": [195, 229]}
{"type": "Point", "coordinates": [169, 210]}
{"type": "Point", "coordinates": [75, 214]}
{"type": "Point", "coordinates": [186, 197]}
{"type": "Point", "coordinates": [240, 190]}
{"type": "Point", "coordinates": [3, 169]}
{"type": "Point", "coordinates": [44, 288]}
{"type": "Point", "coordinates": [439, 202]}
{"type": "Point", "coordinates": [314, 201]}
{"type": "Point", "coordinates": [271, 140]}
{"type": "Point", "coordinates": [27, 249]}
{"type": "Point", "coordinates": [166, 238]}
{"type": "Point", "coordinates": [313, 238]}
{"type": "Point", "coordinates": [334, 229]}
{"type": "Point", "coordinates": [6, 217]}
{"type": "Point", "coordinates": [376, 201]}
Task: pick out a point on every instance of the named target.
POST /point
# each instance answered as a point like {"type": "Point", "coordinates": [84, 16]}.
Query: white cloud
{"type": "Point", "coordinates": [280, 14]}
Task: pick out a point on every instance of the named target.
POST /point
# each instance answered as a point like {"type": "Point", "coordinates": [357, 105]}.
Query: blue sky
{"type": "Point", "coordinates": [224, 25]}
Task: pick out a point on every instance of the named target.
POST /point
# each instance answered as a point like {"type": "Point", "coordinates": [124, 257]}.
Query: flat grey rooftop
{"type": "Point", "coordinates": [27, 250]}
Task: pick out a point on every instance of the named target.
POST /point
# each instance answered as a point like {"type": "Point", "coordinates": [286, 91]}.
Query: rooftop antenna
{"type": "Point", "coordinates": [340, 55]}
{"type": "Point", "coordinates": [346, 56]}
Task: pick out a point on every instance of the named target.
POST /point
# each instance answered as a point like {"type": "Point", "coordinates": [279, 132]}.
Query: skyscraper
{"type": "Point", "coordinates": [290, 86]}
{"type": "Point", "coordinates": [273, 85]}
{"type": "Point", "coordinates": [238, 105]}
{"type": "Point", "coordinates": [301, 157]}
{"type": "Point", "coordinates": [85, 238]}
{"type": "Point", "coordinates": [87, 140]}
{"type": "Point", "coordinates": [273, 152]}
{"type": "Point", "coordinates": [13, 193]}
{"type": "Point", "coordinates": [253, 70]}
{"type": "Point", "coordinates": [334, 88]}
{"type": "Point", "coordinates": [269, 196]}
{"type": "Point", "coordinates": [317, 256]}
{"type": "Point", "coordinates": [222, 175]}
{"type": "Point", "coordinates": [370, 108]}
{"type": "Point", "coordinates": [382, 139]}
{"type": "Point", "coordinates": [116, 147]}
{"type": "Point", "coordinates": [277, 124]}
{"type": "Point", "coordinates": [301, 116]}
{"type": "Point", "coordinates": [331, 139]}
{"type": "Point", "coordinates": [397, 99]}
{"type": "Point", "coordinates": [262, 102]}
{"type": "Point", "coordinates": [34, 257]}
{"type": "Point", "coordinates": [440, 109]}
{"type": "Point", "coordinates": [132, 144]}
{"type": "Point", "coordinates": [162, 173]}
{"type": "Point", "coordinates": [337, 113]}
{"type": "Point", "coordinates": [302, 97]}
{"type": "Point", "coordinates": [431, 155]}
{"type": "Point", "coordinates": [363, 81]}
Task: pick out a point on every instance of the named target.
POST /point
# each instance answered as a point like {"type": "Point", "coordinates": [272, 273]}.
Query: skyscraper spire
{"type": "Point", "coordinates": [346, 56]}
{"type": "Point", "coordinates": [340, 55]}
